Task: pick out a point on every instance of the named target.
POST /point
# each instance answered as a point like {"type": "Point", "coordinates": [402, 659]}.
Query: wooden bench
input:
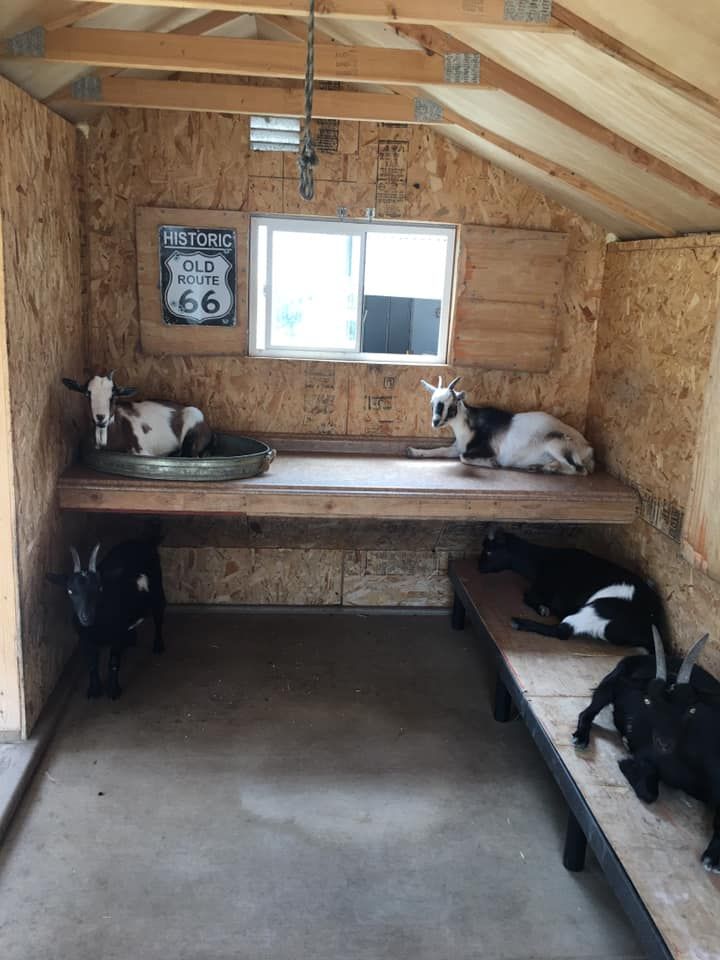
{"type": "Point", "coordinates": [322, 479]}
{"type": "Point", "coordinates": [649, 854]}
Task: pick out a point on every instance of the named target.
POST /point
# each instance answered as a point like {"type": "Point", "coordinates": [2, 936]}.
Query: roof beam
{"type": "Point", "coordinates": [249, 99]}
{"type": "Point", "coordinates": [609, 201]}
{"type": "Point", "coordinates": [436, 41]}
{"type": "Point", "coordinates": [631, 58]}
{"type": "Point", "coordinates": [528, 15]}
{"type": "Point", "coordinates": [254, 58]}
{"type": "Point", "coordinates": [202, 24]}
{"type": "Point", "coordinates": [74, 14]}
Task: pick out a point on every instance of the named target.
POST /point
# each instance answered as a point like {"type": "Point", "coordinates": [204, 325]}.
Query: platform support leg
{"type": "Point", "coordinates": [503, 709]}
{"type": "Point", "coordinates": [575, 845]}
{"type": "Point", "coordinates": [457, 618]}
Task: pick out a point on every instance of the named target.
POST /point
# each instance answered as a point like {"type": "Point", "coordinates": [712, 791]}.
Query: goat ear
{"type": "Point", "coordinates": [74, 385]}
{"type": "Point", "coordinates": [124, 391]}
{"type": "Point", "coordinates": [459, 395]}
{"type": "Point", "coordinates": [428, 387]}
{"type": "Point", "coordinates": [59, 578]}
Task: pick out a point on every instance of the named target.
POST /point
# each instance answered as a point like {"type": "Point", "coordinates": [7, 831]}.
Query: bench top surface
{"type": "Point", "coordinates": [659, 845]}
{"type": "Point", "coordinates": [361, 485]}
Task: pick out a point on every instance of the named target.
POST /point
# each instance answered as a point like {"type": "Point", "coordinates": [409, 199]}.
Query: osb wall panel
{"type": "Point", "coordinates": [40, 201]}
{"type": "Point", "coordinates": [149, 158]}
{"type": "Point", "coordinates": [659, 308]}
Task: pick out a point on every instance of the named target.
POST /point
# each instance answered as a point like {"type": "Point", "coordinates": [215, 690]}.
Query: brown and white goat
{"type": "Point", "coordinates": [149, 428]}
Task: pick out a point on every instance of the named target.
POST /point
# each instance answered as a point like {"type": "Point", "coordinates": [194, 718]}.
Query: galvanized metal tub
{"type": "Point", "coordinates": [231, 458]}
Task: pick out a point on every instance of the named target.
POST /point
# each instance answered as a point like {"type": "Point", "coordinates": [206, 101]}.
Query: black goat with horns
{"type": "Point", "coordinates": [669, 718]}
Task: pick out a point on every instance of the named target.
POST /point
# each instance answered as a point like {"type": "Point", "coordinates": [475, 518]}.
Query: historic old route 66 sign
{"type": "Point", "coordinates": [197, 275]}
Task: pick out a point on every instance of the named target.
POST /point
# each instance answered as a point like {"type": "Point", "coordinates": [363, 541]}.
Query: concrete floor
{"type": "Point", "coordinates": [298, 787]}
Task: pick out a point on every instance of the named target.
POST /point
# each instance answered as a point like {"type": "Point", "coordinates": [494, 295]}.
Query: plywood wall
{"type": "Point", "coordinates": [658, 316]}
{"type": "Point", "coordinates": [40, 202]}
{"type": "Point", "coordinates": [150, 158]}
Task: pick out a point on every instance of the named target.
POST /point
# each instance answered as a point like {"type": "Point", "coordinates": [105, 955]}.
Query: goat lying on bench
{"type": "Point", "coordinates": [671, 726]}
{"type": "Point", "coordinates": [490, 437]}
{"type": "Point", "coordinates": [592, 597]}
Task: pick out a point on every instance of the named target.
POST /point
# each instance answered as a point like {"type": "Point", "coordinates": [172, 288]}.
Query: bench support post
{"type": "Point", "coordinates": [503, 708]}
{"type": "Point", "coordinates": [457, 618]}
{"type": "Point", "coordinates": [575, 845]}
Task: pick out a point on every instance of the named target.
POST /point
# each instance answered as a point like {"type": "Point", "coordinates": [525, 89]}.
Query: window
{"type": "Point", "coordinates": [347, 290]}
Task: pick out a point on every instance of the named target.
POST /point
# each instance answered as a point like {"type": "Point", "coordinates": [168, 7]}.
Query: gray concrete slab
{"type": "Point", "coordinates": [298, 787]}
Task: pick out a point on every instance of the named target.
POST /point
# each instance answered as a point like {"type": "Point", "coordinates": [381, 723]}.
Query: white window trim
{"type": "Point", "coordinates": [359, 228]}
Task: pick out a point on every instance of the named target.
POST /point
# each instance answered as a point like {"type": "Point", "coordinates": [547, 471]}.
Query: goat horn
{"type": "Point", "coordinates": [660, 664]}
{"type": "Point", "coordinates": [77, 566]}
{"type": "Point", "coordinates": [111, 375]}
{"type": "Point", "coordinates": [439, 386]}
{"type": "Point", "coordinates": [452, 384]}
{"type": "Point", "coordinates": [92, 563]}
{"type": "Point", "coordinates": [691, 658]}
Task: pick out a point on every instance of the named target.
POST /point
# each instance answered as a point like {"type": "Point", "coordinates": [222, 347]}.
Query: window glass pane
{"type": "Point", "coordinates": [405, 265]}
{"type": "Point", "coordinates": [315, 282]}
{"type": "Point", "coordinates": [404, 287]}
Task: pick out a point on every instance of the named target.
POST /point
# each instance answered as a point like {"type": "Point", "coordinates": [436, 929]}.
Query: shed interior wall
{"type": "Point", "coordinates": [659, 312]}
{"type": "Point", "coordinates": [40, 187]}
{"type": "Point", "coordinates": [152, 158]}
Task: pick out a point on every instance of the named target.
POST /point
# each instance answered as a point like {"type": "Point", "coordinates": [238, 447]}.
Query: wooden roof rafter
{"type": "Point", "coordinates": [437, 42]}
{"type": "Point", "coordinates": [614, 48]}
{"type": "Point", "coordinates": [558, 172]}
{"type": "Point", "coordinates": [502, 14]}
{"type": "Point", "coordinates": [249, 99]}
{"type": "Point", "coordinates": [228, 55]}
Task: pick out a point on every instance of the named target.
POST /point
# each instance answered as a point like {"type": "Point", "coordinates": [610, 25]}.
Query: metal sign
{"type": "Point", "coordinates": [198, 275]}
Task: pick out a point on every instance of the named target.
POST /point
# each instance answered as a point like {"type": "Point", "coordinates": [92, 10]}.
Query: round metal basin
{"type": "Point", "coordinates": [230, 457]}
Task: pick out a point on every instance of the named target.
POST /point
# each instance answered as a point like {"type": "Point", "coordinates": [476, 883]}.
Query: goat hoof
{"type": "Point", "coordinates": [514, 624]}
{"type": "Point", "coordinates": [581, 740]}
{"type": "Point", "coordinates": [411, 452]}
{"type": "Point", "coordinates": [711, 860]}
{"type": "Point", "coordinates": [543, 610]}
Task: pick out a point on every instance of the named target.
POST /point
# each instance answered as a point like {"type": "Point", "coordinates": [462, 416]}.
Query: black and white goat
{"type": "Point", "coordinates": [491, 437]}
{"type": "Point", "coordinates": [591, 596]}
{"type": "Point", "coordinates": [669, 718]}
{"type": "Point", "coordinates": [149, 428]}
{"type": "Point", "coordinates": [110, 600]}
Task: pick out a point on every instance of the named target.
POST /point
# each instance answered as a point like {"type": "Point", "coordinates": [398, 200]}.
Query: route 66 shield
{"type": "Point", "coordinates": [197, 288]}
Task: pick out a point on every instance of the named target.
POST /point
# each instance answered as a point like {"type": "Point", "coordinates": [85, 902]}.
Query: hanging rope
{"type": "Point", "coordinates": [308, 157]}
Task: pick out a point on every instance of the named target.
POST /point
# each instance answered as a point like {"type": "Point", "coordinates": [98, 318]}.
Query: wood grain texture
{"type": "Point", "coordinates": [658, 317]}
{"type": "Point", "coordinates": [353, 486]}
{"type": "Point", "coordinates": [159, 337]}
{"type": "Point", "coordinates": [148, 158]}
{"type": "Point", "coordinates": [701, 536]}
{"type": "Point", "coordinates": [509, 283]}
{"type": "Point", "coordinates": [659, 846]}
{"type": "Point", "coordinates": [40, 203]}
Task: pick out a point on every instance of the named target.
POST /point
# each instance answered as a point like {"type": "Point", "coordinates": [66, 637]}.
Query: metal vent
{"type": "Point", "coordinates": [275, 133]}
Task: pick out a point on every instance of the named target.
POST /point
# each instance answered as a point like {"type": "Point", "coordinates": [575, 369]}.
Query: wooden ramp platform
{"type": "Point", "coordinates": [650, 853]}
{"type": "Point", "coordinates": [345, 485]}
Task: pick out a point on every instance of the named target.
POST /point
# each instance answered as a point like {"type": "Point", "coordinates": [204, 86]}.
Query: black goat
{"type": "Point", "coordinates": [670, 722]}
{"type": "Point", "coordinates": [591, 596]}
{"type": "Point", "coordinates": [111, 600]}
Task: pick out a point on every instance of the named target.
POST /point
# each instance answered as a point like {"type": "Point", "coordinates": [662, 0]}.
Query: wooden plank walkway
{"type": "Point", "coordinates": [650, 853]}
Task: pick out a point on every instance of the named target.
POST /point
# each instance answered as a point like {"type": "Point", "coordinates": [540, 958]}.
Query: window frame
{"type": "Point", "coordinates": [359, 228]}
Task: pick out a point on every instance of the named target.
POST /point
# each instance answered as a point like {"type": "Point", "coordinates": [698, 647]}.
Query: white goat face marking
{"type": "Point", "coordinates": [442, 403]}
{"type": "Point", "coordinates": [100, 391]}
{"type": "Point", "coordinates": [143, 584]}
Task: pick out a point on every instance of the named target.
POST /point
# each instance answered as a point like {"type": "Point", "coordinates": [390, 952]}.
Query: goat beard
{"type": "Point", "coordinates": [100, 437]}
